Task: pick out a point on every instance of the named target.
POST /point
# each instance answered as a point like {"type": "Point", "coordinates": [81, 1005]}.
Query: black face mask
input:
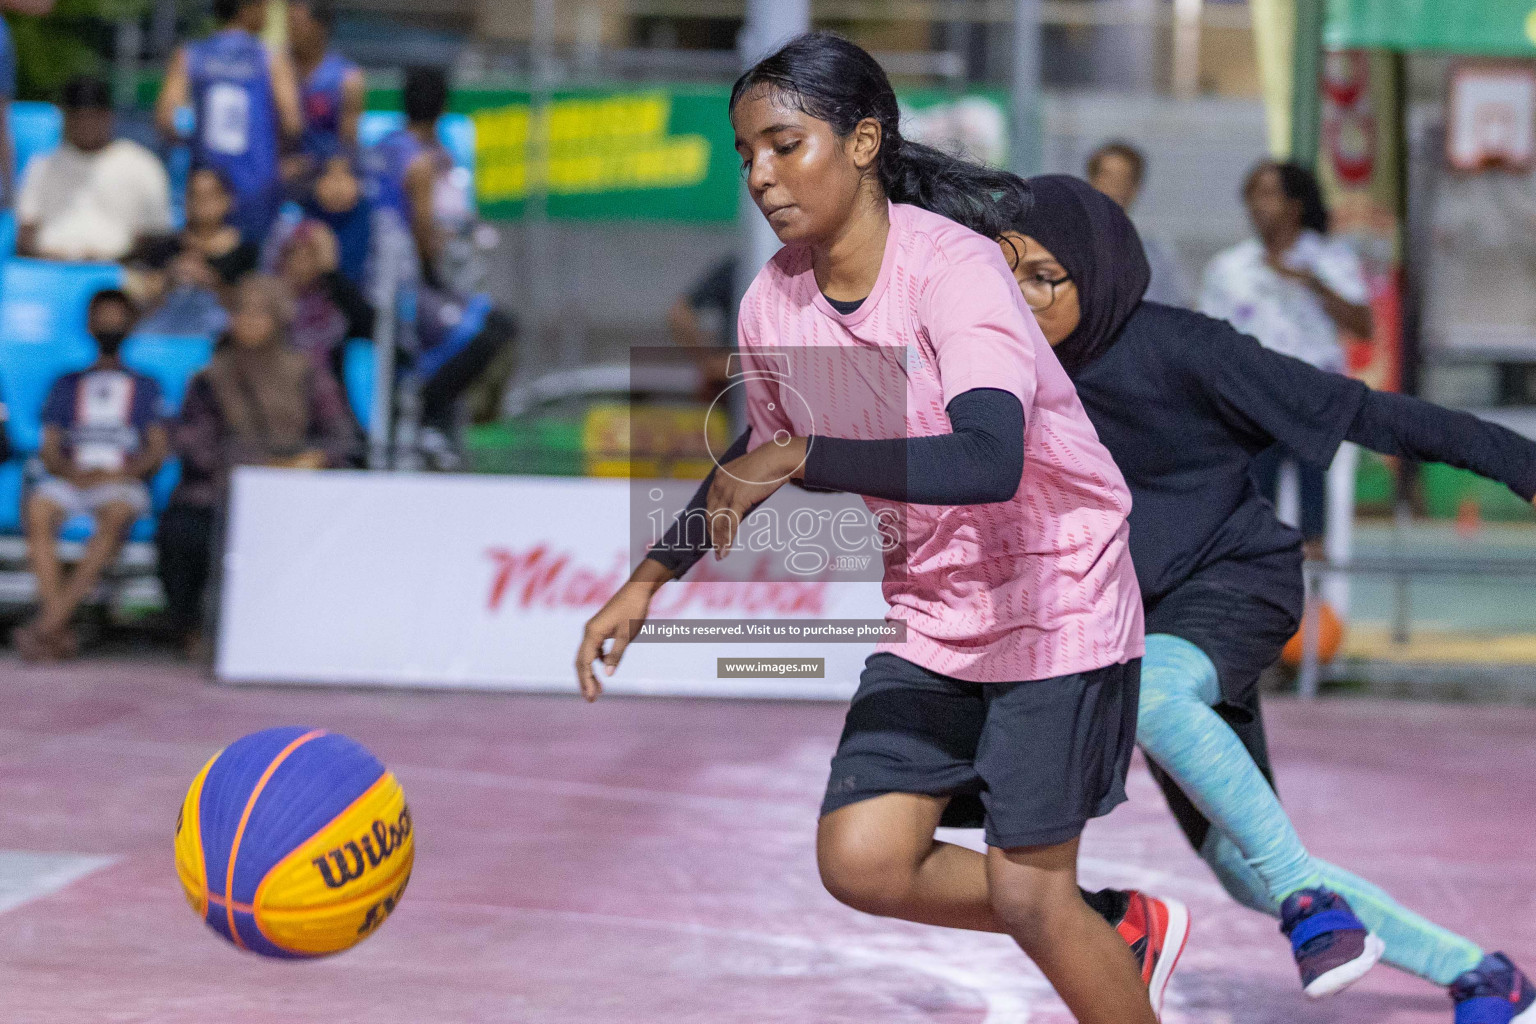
{"type": "Point", "coordinates": [108, 342]}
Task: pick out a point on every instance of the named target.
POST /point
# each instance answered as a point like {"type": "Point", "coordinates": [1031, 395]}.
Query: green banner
{"type": "Point", "coordinates": [662, 153]}
{"type": "Point", "coordinates": [1472, 27]}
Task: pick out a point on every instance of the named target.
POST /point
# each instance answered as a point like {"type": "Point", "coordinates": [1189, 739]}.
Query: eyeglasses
{"type": "Point", "coordinates": [1040, 292]}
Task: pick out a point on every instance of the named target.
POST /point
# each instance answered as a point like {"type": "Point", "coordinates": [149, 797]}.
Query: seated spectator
{"type": "Point", "coordinates": [102, 439]}
{"type": "Point", "coordinates": [183, 279]}
{"type": "Point", "coordinates": [339, 201]}
{"type": "Point", "coordinates": [457, 340]}
{"type": "Point", "coordinates": [328, 308]}
{"type": "Point", "coordinates": [95, 196]}
{"type": "Point", "coordinates": [258, 403]}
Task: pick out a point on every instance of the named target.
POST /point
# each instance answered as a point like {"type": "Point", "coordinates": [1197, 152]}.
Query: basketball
{"type": "Point", "coordinates": [294, 843]}
{"type": "Point", "coordinates": [1330, 635]}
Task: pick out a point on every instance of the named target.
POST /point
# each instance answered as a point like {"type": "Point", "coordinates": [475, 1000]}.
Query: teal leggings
{"type": "Point", "coordinates": [1252, 847]}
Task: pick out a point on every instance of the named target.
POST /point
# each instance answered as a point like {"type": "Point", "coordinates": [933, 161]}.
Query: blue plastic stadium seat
{"type": "Point", "coordinates": [10, 496]}
{"type": "Point", "coordinates": [82, 528]}
{"type": "Point", "coordinates": [357, 366]}
{"type": "Point", "coordinates": [7, 235]}
{"type": "Point", "coordinates": [27, 373]}
{"type": "Point", "coordinates": [42, 302]}
{"type": "Point", "coordinates": [171, 359]}
{"type": "Point", "coordinates": [36, 130]}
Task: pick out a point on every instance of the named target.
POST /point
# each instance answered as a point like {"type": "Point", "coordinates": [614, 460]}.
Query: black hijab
{"type": "Point", "coordinates": [1097, 245]}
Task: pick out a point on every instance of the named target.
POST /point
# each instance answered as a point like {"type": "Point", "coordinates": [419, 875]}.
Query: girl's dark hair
{"type": "Point", "coordinates": [218, 176]}
{"type": "Point", "coordinates": [229, 10]}
{"type": "Point", "coordinates": [425, 93]}
{"type": "Point", "coordinates": [1300, 184]}
{"type": "Point", "coordinates": [112, 295]}
{"type": "Point", "coordinates": [833, 80]}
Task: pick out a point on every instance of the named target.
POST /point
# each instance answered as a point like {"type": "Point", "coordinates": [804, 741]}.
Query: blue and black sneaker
{"type": "Point", "coordinates": [1494, 992]}
{"type": "Point", "coordinates": [1332, 946]}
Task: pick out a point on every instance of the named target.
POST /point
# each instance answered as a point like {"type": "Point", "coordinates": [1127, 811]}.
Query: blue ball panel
{"type": "Point", "coordinates": [226, 791]}
{"type": "Point", "coordinates": [316, 782]}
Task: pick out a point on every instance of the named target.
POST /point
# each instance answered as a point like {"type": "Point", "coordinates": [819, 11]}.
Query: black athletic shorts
{"type": "Point", "coordinates": [1032, 761]}
{"type": "Point", "coordinates": [1242, 633]}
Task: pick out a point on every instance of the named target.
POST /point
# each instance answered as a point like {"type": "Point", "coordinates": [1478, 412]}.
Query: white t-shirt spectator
{"type": "Point", "coordinates": [1285, 315]}
{"type": "Point", "coordinates": [94, 205]}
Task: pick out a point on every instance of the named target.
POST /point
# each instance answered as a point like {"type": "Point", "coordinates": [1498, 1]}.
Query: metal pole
{"type": "Point", "coordinates": [125, 64]}
{"type": "Point", "coordinates": [385, 338]}
{"type": "Point", "coordinates": [1186, 48]}
{"type": "Point", "coordinates": [1306, 101]}
{"type": "Point", "coordinates": [536, 207]}
{"type": "Point", "coordinates": [769, 24]}
{"type": "Point", "coordinates": [1025, 148]}
{"type": "Point", "coordinates": [1311, 673]}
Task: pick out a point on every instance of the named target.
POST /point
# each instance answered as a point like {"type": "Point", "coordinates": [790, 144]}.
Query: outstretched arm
{"type": "Point", "coordinates": [1399, 425]}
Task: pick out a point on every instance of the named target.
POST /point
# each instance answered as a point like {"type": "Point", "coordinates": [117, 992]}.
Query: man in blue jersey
{"type": "Point", "coordinates": [332, 89]}
{"type": "Point", "coordinates": [413, 180]}
{"type": "Point", "coordinates": [103, 437]}
{"type": "Point", "coordinates": [8, 91]}
{"type": "Point", "coordinates": [422, 200]}
{"type": "Point", "coordinates": [245, 100]}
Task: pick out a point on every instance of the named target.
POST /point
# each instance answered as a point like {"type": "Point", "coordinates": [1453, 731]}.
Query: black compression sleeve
{"type": "Point", "coordinates": [980, 462]}
{"type": "Point", "coordinates": [687, 540]}
{"type": "Point", "coordinates": [1399, 425]}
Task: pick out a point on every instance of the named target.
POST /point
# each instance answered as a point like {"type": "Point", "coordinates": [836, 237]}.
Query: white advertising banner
{"type": "Point", "coordinates": [481, 582]}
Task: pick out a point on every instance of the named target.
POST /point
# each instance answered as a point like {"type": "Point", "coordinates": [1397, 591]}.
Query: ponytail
{"type": "Point", "coordinates": [834, 80]}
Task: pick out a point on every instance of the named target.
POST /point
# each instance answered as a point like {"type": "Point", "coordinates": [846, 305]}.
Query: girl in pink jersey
{"type": "Point", "coordinates": [1013, 697]}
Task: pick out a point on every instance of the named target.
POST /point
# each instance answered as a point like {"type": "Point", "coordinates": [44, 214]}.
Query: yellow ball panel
{"type": "Point", "coordinates": [190, 867]}
{"type": "Point", "coordinates": [339, 886]}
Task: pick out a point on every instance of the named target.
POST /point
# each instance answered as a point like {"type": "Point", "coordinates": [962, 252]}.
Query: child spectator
{"type": "Point", "coordinates": [246, 102]}
{"type": "Point", "coordinates": [95, 196]}
{"type": "Point", "coordinates": [102, 439]}
{"type": "Point", "coordinates": [258, 403]}
{"type": "Point", "coordinates": [339, 201]}
{"type": "Point", "coordinates": [184, 277]}
{"type": "Point", "coordinates": [328, 309]}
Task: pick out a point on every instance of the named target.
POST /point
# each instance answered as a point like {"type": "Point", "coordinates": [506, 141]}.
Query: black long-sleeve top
{"type": "Point", "coordinates": [1184, 402]}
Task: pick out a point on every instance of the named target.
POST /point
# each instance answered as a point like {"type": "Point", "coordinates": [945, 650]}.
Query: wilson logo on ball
{"type": "Point", "coordinates": [368, 851]}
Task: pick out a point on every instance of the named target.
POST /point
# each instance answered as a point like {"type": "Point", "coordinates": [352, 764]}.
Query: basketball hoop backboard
{"type": "Point", "coordinates": [1491, 117]}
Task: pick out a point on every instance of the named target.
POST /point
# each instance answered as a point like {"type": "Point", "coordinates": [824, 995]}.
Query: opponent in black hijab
{"type": "Point", "coordinates": [1184, 403]}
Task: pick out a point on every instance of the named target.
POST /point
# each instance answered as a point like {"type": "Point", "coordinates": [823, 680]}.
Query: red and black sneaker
{"type": "Point", "coordinates": [1156, 930]}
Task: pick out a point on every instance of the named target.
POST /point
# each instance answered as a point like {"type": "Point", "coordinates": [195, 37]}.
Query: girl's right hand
{"type": "Point", "coordinates": [612, 622]}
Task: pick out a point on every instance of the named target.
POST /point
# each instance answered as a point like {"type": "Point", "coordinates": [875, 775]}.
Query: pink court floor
{"type": "Point", "coordinates": [651, 861]}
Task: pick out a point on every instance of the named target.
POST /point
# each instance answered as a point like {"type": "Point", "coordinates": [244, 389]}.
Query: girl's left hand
{"type": "Point", "coordinates": [744, 482]}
